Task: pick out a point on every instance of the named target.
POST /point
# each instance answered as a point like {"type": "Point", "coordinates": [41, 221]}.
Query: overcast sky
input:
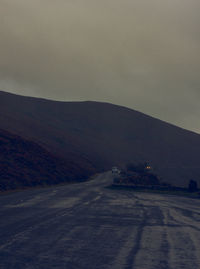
{"type": "Point", "coordinates": [144, 54]}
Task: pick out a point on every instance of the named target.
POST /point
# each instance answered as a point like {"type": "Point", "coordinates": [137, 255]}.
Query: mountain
{"type": "Point", "coordinates": [24, 163]}
{"type": "Point", "coordinates": [102, 135]}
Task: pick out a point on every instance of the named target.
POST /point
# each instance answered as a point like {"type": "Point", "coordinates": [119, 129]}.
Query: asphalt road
{"type": "Point", "coordinates": [87, 226]}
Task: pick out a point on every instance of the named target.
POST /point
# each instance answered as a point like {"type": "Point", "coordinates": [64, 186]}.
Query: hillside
{"type": "Point", "coordinates": [24, 163]}
{"type": "Point", "coordinates": [103, 135]}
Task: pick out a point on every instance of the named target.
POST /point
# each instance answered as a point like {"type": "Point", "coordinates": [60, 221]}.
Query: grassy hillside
{"type": "Point", "coordinates": [24, 163]}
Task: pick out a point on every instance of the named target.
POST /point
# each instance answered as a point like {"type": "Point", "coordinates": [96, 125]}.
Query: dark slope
{"type": "Point", "coordinates": [103, 134]}
{"type": "Point", "coordinates": [24, 163]}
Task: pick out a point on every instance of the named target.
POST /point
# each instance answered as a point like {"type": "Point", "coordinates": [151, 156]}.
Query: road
{"type": "Point", "coordinates": [88, 226]}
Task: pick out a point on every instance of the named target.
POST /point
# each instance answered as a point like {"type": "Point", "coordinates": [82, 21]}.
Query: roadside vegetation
{"type": "Point", "coordinates": [142, 178]}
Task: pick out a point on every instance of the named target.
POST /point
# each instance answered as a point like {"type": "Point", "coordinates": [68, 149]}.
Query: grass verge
{"type": "Point", "coordinates": [183, 192]}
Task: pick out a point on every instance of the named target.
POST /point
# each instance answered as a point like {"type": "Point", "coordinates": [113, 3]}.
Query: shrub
{"type": "Point", "coordinates": [192, 186]}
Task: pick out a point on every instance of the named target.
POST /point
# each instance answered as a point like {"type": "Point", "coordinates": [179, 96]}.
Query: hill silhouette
{"type": "Point", "coordinates": [102, 135]}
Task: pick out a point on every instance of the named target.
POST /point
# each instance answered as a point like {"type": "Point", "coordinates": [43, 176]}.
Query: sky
{"type": "Point", "coordinates": [143, 54]}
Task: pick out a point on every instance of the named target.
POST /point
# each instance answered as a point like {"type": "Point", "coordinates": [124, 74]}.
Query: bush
{"type": "Point", "coordinates": [192, 186]}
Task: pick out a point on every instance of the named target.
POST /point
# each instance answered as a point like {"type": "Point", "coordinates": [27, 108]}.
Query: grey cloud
{"type": "Point", "coordinates": [142, 54]}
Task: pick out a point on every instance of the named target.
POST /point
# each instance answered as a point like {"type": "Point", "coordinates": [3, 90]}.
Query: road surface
{"type": "Point", "coordinates": [88, 226]}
